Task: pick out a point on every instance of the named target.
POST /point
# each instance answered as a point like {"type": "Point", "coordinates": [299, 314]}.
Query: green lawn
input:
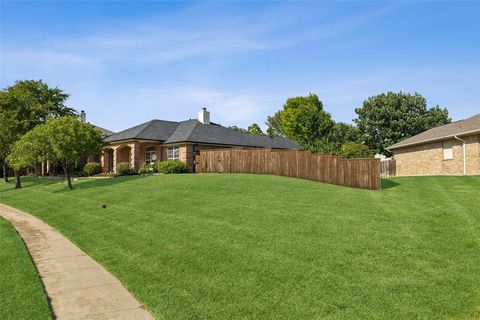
{"type": "Point", "coordinates": [21, 291]}
{"type": "Point", "coordinates": [262, 247]}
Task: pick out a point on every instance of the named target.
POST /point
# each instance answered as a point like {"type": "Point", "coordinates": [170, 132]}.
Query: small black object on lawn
{"type": "Point", "coordinates": [104, 206]}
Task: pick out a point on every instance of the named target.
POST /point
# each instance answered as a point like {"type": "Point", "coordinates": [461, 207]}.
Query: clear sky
{"type": "Point", "coordinates": [129, 62]}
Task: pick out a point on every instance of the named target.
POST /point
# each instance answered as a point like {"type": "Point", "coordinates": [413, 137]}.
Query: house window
{"type": "Point", "coordinates": [150, 155]}
{"type": "Point", "coordinates": [447, 150]}
{"type": "Point", "coordinates": [173, 153]}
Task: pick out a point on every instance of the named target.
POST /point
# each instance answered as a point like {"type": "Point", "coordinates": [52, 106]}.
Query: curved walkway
{"type": "Point", "coordinates": [76, 285]}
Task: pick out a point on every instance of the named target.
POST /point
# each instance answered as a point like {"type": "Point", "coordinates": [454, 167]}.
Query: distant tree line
{"type": "Point", "coordinates": [381, 121]}
{"type": "Point", "coordinates": [254, 128]}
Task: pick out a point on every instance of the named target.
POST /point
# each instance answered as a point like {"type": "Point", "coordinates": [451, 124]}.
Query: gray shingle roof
{"type": "Point", "coordinates": [105, 132]}
{"type": "Point", "coordinates": [158, 130]}
{"type": "Point", "coordinates": [450, 130]}
{"type": "Point", "coordinates": [197, 132]}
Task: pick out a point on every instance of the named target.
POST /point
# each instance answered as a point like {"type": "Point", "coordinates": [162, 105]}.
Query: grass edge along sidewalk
{"type": "Point", "coordinates": [21, 291]}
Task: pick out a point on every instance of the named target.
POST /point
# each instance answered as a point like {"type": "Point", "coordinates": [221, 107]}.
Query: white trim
{"type": "Point", "coordinates": [447, 148]}
{"type": "Point", "coordinates": [175, 152]}
{"type": "Point", "coordinates": [149, 160]}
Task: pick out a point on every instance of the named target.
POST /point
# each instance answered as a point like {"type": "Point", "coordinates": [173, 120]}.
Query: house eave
{"type": "Point", "coordinates": [462, 134]}
{"type": "Point", "coordinates": [223, 145]}
{"type": "Point", "coordinates": [133, 140]}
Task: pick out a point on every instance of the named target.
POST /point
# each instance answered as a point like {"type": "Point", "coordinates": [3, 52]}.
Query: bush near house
{"type": "Point", "coordinates": [124, 169]}
{"type": "Point", "coordinates": [148, 168]}
{"type": "Point", "coordinates": [172, 166]}
{"type": "Point", "coordinates": [355, 150]}
{"type": "Point", "coordinates": [92, 168]}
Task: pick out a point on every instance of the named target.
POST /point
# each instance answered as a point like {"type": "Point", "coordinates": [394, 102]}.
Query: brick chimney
{"type": "Point", "coordinates": [83, 116]}
{"type": "Point", "coordinates": [204, 116]}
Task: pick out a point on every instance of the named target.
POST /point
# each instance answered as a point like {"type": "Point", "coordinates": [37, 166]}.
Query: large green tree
{"type": "Point", "coordinates": [238, 129]}
{"type": "Point", "coordinates": [339, 134]}
{"type": "Point", "coordinates": [302, 119]}
{"type": "Point", "coordinates": [352, 149]}
{"type": "Point", "coordinates": [62, 141]}
{"type": "Point", "coordinates": [387, 118]}
{"type": "Point", "coordinates": [254, 128]}
{"type": "Point", "coordinates": [8, 135]}
{"type": "Point", "coordinates": [32, 148]}
{"type": "Point", "coordinates": [274, 125]}
{"type": "Point", "coordinates": [23, 106]}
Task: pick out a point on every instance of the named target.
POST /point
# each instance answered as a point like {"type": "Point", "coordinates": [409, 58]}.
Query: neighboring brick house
{"type": "Point", "coordinates": [159, 140]}
{"type": "Point", "coordinates": [451, 149]}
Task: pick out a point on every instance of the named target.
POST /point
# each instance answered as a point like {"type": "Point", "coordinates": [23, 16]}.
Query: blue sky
{"type": "Point", "coordinates": [129, 62]}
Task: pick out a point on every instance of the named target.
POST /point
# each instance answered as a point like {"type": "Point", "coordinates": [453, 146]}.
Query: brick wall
{"type": "Point", "coordinates": [186, 155]}
{"type": "Point", "coordinates": [144, 146]}
{"type": "Point", "coordinates": [427, 159]}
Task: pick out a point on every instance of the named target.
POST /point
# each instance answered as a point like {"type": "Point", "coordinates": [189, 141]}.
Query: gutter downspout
{"type": "Point", "coordinates": [464, 156]}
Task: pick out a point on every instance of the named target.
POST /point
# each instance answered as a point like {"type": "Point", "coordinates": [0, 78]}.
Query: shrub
{"type": "Point", "coordinates": [172, 166]}
{"type": "Point", "coordinates": [148, 168]}
{"type": "Point", "coordinates": [124, 169]}
{"type": "Point", "coordinates": [92, 168]}
{"type": "Point", "coordinates": [355, 150]}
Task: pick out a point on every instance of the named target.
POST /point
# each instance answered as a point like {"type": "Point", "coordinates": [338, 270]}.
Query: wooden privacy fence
{"type": "Point", "coordinates": [388, 168]}
{"type": "Point", "coordinates": [356, 173]}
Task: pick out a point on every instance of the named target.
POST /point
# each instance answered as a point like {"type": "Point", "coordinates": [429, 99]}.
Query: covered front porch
{"type": "Point", "coordinates": [135, 153]}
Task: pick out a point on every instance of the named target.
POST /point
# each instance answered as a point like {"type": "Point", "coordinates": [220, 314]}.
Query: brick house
{"type": "Point", "coordinates": [159, 140]}
{"type": "Point", "coordinates": [451, 149]}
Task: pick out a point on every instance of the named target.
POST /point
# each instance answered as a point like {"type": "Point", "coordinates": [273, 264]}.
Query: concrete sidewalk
{"type": "Point", "coordinates": [76, 285]}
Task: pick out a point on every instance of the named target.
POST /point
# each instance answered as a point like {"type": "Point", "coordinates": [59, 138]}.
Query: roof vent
{"type": "Point", "coordinates": [204, 116]}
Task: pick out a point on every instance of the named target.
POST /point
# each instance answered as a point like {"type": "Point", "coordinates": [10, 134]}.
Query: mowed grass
{"type": "Point", "coordinates": [213, 246]}
{"type": "Point", "coordinates": [21, 291]}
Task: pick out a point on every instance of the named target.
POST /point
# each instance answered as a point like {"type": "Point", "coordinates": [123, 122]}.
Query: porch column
{"type": "Point", "coordinates": [114, 153]}
{"type": "Point", "coordinates": [135, 156]}
{"type": "Point", "coordinates": [103, 162]}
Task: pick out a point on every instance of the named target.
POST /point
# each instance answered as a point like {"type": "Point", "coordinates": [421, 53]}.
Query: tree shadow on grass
{"type": "Point", "coordinates": [29, 182]}
{"type": "Point", "coordinates": [388, 184]}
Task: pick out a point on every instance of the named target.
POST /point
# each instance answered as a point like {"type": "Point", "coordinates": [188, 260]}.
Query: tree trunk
{"type": "Point", "coordinates": [5, 172]}
{"type": "Point", "coordinates": [66, 169]}
{"type": "Point", "coordinates": [43, 168]}
{"type": "Point", "coordinates": [18, 183]}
